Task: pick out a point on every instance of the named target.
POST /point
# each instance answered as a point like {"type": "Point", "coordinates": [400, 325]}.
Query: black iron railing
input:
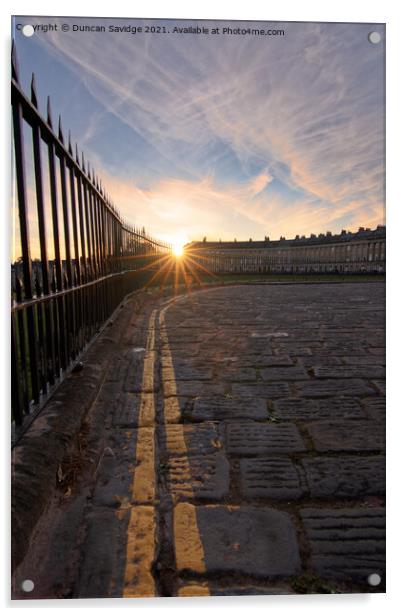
{"type": "Point", "coordinates": [74, 260]}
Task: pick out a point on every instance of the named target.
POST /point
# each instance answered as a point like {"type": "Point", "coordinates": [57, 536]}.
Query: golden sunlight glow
{"type": "Point", "coordinates": [178, 242]}
{"type": "Point", "coordinates": [178, 250]}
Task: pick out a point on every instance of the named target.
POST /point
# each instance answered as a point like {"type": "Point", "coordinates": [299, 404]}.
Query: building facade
{"type": "Point", "coordinates": [359, 252]}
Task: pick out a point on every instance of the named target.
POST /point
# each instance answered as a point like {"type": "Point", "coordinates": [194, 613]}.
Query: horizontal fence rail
{"type": "Point", "coordinates": [74, 258]}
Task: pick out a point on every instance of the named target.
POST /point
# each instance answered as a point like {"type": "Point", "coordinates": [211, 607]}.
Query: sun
{"type": "Point", "coordinates": [178, 249]}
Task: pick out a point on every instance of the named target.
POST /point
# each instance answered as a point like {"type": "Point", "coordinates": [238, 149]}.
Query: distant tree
{"type": "Point", "coordinates": [250, 239]}
{"type": "Point", "coordinates": [235, 240]}
{"type": "Point", "coordinates": [204, 239]}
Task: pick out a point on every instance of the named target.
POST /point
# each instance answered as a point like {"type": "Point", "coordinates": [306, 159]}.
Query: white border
{"type": "Point", "coordinates": [285, 10]}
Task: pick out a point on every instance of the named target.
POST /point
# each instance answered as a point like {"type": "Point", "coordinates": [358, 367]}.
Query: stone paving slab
{"type": "Point", "coordinates": [227, 408]}
{"type": "Point", "coordinates": [254, 438]}
{"type": "Point", "coordinates": [346, 477]}
{"type": "Point", "coordinates": [365, 360]}
{"type": "Point", "coordinates": [350, 435]}
{"type": "Point", "coordinates": [321, 388]}
{"type": "Point", "coordinates": [264, 358]}
{"type": "Point", "coordinates": [274, 477]}
{"type": "Point", "coordinates": [376, 408]}
{"type": "Point", "coordinates": [118, 371]}
{"type": "Point", "coordinates": [237, 374]}
{"type": "Point", "coordinates": [309, 361]}
{"type": "Point", "coordinates": [126, 409]}
{"type": "Point", "coordinates": [102, 568]}
{"type": "Point", "coordinates": [249, 359]}
{"type": "Point", "coordinates": [201, 477]}
{"type": "Point", "coordinates": [305, 409]}
{"type": "Point", "coordinates": [133, 381]}
{"type": "Point", "coordinates": [380, 386]}
{"type": "Point", "coordinates": [295, 349]}
{"type": "Point", "coordinates": [113, 480]}
{"type": "Point", "coordinates": [346, 543]}
{"type": "Point", "coordinates": [262, 390]}
{"type": "Point", "coordinates": [259, 345]}
{"type": "Point", "coordinates": [199, 439]}
{"type": "Point", "coordinates": [188, 372]}
{"type": "Point", "coordinates": [377, 351]}
{"type": "Point", "coordinates": [292, 373]}
{"type": "Point", "coordinates": [362, 371]}
{"type": "Point", "coordinates": [261, 542]}
{"type": "Point", "coordinates": [192, 388]}
{"type": "Point", "coordinates": [338, 348]}
{"type": "Point", "coordinates": [187, 352]}
{"type": "Point", "coordinates": [236, 591]}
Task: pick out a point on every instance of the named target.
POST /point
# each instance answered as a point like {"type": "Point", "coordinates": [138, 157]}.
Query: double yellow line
{"type": "Point", "coordinates": [141, 550]}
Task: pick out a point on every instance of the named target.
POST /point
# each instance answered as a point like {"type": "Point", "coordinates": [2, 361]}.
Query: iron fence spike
{"type": "Point", "coordinates": [34, 97]}
{"type": "Point", "coordinates": [49, 112]}
{"type": "Point", "coordinates": [61, 137]}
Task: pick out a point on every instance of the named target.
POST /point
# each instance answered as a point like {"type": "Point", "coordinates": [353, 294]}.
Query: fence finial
{"type": "Point", "coordinates": [61, 138]}
{"type": "Point", "coordinates": [34, 97]}
{"type": "Point", "coordinates": [77, 157]}
{"type": "Point", "coordinates": [83, 162]}
{"type": "Point", "coordinates": [15, 73]}
{"type": "Point", "coordinates": [49, 113]}
{"type": "Point", "coordinates": [70, 149]}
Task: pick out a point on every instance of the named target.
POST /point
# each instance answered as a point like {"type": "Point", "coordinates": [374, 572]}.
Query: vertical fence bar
{"type": "Point", "coordinates": [16, 374]}
{"type": "Point", "coordinates": [57, 282]}
{"type": "Point", "coordinates": [44, 318]}
{"type": "Point", "coordinates": [88, 215]}
{"type": "Point", "coordinates": [69, 316]}
{"type": "Point", "coordinates": [83, 269]}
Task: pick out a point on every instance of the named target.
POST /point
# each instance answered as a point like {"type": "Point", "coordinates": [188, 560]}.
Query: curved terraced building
{"type": "Point", "coordinates": [347, 252]}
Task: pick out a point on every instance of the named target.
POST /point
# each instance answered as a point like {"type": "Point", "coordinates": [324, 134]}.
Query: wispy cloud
{"type": "Point", "coordinates": [238, 133]}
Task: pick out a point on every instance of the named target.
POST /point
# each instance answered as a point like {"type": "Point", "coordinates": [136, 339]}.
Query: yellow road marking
{"type": "Point", "coordinates": [141, 531]}
{"type": "Point", "coordinates": [171, 409]}
{"type": "Point", "coordinates": [194, 590]}
{"type": "Point", "coordinates": [187, 541]}
{"type": "Point", "coordinates": [188, 545]}
{"type": "Point", "coordinates": [141, 537]}
{"type": "Point", "coordinates": [143, 490]}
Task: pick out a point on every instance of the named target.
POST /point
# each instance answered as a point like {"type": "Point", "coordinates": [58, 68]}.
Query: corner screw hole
{"type": "Point", "coordinates": [27, 585]}
{"type": "Point", "coordinates": [374, 37]}
{"type": "Point", "coordinates": [374, 579]}
{"type": "Point", "coordinates": [28, 30]}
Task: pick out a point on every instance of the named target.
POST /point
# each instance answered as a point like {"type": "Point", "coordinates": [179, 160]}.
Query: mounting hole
{"type": "Point", "coordinates": [28, 30]}
{"type": "Point", "coordinates": [374, 579]}
{"type": "Point", "coordinates": [374, 37]}
{"type": "Point", "coordinates": [27, 585]}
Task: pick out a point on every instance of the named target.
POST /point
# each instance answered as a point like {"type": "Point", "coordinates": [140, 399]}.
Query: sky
{"type": "Point", "coordinates": [223, 136]}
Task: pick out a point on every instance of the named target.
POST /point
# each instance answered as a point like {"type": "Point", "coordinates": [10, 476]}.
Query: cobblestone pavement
{"type": "Point", "coordinates": [241, 451]}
